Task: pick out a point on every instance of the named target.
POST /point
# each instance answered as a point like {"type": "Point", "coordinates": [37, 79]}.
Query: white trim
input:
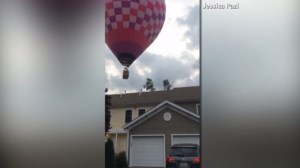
{"type": "Point", "coordinates": [147, 135]}
{"type": "Point", "coordinates": [172, 136]}
{"type": "Point", "coordinates": [159, 108]}
{"type": "Point", "coordinates": [117, 144]}
{"type": "Point", "coordinates": [127, 148]}
{"type": "Point", "coordinates": [198, 109]}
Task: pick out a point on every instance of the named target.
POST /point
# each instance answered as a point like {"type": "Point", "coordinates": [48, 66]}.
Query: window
{"type": "Point", "coordinates": [128, 116]}
{"type": "Point", "coordinates": [184, 151]}
{"type": "Point", "coordinates": [141, 111]}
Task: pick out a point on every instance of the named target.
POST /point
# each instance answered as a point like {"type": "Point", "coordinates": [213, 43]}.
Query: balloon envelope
{"type": "Point", "coordinates": [131, 26]}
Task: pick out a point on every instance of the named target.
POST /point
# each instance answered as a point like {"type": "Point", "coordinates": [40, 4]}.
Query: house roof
{"type": "Point", "coordinates": [159, 108]}
{"type": "Point", "coordinates": [176, 95]}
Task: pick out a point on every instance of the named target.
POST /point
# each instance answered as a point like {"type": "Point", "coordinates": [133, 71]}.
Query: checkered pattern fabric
{"type": "Point", "coordinates": [145, 16]}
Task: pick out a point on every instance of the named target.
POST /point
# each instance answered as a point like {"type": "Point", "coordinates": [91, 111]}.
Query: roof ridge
{"type": "Point", "coordinates": [151, 92]}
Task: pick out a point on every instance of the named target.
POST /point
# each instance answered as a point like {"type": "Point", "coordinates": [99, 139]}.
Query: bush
{"type": "Point", "coordinates": [121, 160]}
{"type": "Point", "coordinates": [109, 154]}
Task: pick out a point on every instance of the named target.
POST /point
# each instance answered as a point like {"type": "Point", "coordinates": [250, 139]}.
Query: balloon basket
{"type": "Point", "coordinates": [125, 73]}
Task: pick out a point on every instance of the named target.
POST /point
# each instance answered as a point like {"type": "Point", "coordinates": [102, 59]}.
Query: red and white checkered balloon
{"type": "Point", "coordinates": [131, 26]}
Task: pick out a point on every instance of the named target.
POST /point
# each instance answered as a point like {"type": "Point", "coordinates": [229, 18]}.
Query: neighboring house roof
{"type": "Point", "coordinates": [176, 95]}
{"type": "Point", "coordinates": [159, 108]}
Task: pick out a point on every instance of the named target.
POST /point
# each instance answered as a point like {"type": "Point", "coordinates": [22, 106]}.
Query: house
{"type": "Point", "coordinates": [146, 124]}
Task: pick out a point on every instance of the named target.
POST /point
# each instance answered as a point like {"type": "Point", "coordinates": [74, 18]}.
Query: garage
{"type": "Point", "coordinates": [147, 150]}
{"type": "Point", "coordinates": [185, 138]}
{"type": "Point", "coordinates": [152, 134]}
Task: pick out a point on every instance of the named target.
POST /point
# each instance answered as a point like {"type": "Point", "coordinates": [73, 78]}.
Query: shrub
{"type": "Point", "coordinates": [109, 154]}
{"type": "Point", "coordinates": [121, 160]}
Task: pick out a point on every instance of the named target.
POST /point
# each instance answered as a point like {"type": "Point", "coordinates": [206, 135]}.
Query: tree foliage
{"type": "Point", "coordinates": [149, 85]}
{"type": "Point", "coordinates": [166, 84]}
{"type": "Point", "coordinates": [107, 111]}
{"type": "Point", "coordinates": [109, 154]}
{"type": "Point", "coordinates": [121, 160]}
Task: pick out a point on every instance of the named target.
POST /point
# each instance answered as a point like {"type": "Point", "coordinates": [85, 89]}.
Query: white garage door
{"type": "Point", "coordinates": [147, 151]}
{"type": "Point", "coordinates": [185, 139]}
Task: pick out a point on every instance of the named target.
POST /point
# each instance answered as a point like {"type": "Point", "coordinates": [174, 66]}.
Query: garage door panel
{"type": "Point", "coordinates": [147, 151]}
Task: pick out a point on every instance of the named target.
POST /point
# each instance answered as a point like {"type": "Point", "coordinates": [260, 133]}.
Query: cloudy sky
{"type": "Point", "coordinates": [174, 55]}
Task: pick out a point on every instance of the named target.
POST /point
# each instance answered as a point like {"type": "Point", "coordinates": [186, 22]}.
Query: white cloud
{"type": "Point", "coordinates": [111, 68]}
{"type": "Point", "coordinates": [171, 41]}
{"type": "Point", "coordinates": [143, 71]}
{"type": "Point", "coordinates": [173, 55]}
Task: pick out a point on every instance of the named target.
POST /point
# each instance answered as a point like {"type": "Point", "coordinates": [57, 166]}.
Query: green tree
{"type": "Point", "coordinates": [107, 111]}
{"type": "Point", "coordinates": [166, 84]}
{"type": "Point", "coordinates": [109, 154]}
{"type": "Point", "coordinates": [149, 85]}
{"type": "Point", "coordinates": [121, 160]}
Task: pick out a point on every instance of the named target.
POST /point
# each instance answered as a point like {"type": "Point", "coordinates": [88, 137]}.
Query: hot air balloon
{"type": "Point", "coordinates": [131, 26]}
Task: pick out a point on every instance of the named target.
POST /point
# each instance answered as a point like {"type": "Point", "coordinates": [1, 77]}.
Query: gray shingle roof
{"type": "Point", "coordinates": [176, 95]}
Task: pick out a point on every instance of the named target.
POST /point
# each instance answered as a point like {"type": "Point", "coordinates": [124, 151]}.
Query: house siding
{"type": "Point", "coordinates": [118, 115]}
{"type": "Point", "coordinates": [157, 125]}
{"type": "Point", "coordinates": [118, 121]}
{"type": "Point", "coordinates": [189, 106]}
{"type": "Point", "coordinates": [120, 144]}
